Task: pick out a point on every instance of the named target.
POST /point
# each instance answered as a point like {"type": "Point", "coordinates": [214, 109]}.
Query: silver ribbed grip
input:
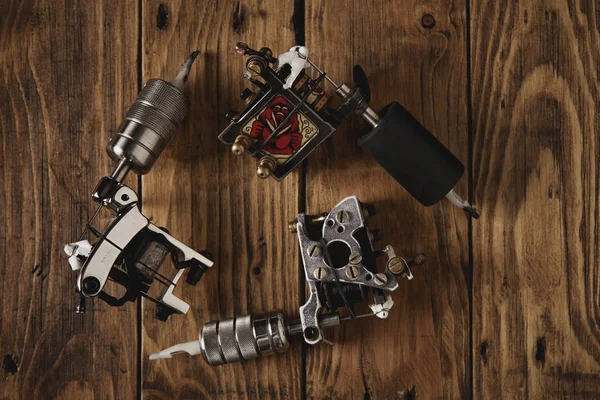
{"type": "Point", "coordinates": [243, 338]}
{"type": "Point", "coordinates": [149, 125]}
{"type": "Point", "coordinates": [161, 107]}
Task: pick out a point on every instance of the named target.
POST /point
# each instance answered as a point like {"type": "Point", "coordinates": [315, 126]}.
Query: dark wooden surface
{"type": "Point", "coordinates": [506, 306]}
{"type": "Point", "coordinates": [536, 124]}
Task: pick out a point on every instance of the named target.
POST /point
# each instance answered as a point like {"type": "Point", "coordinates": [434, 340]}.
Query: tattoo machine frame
{"type": "Point", "coordinates": [290, 114]}
{"type": "Point", "coordinates": [340, 267]}
{"type": "Point", "coordinates": [131, 250]}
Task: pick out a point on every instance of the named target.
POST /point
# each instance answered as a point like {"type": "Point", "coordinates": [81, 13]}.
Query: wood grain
{"type": "Point", "coordinates": [536, 169]}
{"type": "Point", "coordinates": [67, 72]}
{"type": "Point", "coordinates": [70, 69]}
{"type": "Point", "coordinates": [425, 342]}
{"type": "Point", "coordinates": [210, 199]}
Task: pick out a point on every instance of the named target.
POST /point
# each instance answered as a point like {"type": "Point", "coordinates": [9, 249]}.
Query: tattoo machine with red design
{"type": "Point", "coordinates": [130, 250]}
{"type": "Point", "coordinates": [346, 281]}
{"type": "Point", "coordinates": [291, 114]}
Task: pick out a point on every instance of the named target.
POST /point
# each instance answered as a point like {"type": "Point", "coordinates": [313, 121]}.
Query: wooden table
{"type": "Point", "coordinates": [506, 307]}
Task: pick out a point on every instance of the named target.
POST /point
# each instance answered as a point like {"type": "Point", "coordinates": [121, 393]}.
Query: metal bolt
{"type": "Point", "coordinates": [241, 144]}
{"type": "Point", "coordinates": [267, 52]}
{"type": "Point", "coordinates": [351, 271]}
{"type": "Point", "coordinates": [292, 226]}
{"type": "Point", "coordinates": [266, 165]}
{"type": "Point", "coordinates": [314, 250]}
{"type": "Point", "coordinates": [241, 48]}
{"type": "Point", "coordinates": [254, 68]}
{"type": "Point", "coordinates": [380, 279]}
{"type": "Point", "coordinates": [80, 307]}
{"type": "Point", "coordinates": [319, 218]}
{"type": "Point", "coordinates": [396, 265]}
{"type": "Point", "coordinates": [320, 273]}
{"type": "Point", "coordinates": [355, 258]}
{"type": "Point", "coordinates": [342, 217]}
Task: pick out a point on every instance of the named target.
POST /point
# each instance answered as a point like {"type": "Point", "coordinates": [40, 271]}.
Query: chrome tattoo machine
{"type": "Point", "coordinates": [290, 114]}
{"type": "Point", "coordinates": [130, 250]}
{"type": "Point", "coordinates": [344, 281]}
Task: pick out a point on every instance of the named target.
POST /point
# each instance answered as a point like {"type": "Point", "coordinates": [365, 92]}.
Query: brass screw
{"type": "Point", "coordinates": [266, 165]}
{"type": "Point", "coordinates": [241, 144]}
{"type": "Point", "coordinates": [320, 273]}
{"type": "Point", "coordinates": [342, 217]}
{"type": "Point", "coordinates": [396, 265]}
{"type": "Point", "coordinates": [355, 258]}
{"type": "Point", "coordinates": [380, 279]}
{"type": "Point", "coordinates": [292, 226]}
{"type": "Point", "coordinates": [351, 271]}
{"type": "Point", "coordinates": [254, 68]}
{"type": "Point", "coordinates": [314, 250]}
{"type": "Point", "coordinates": [319, 218]}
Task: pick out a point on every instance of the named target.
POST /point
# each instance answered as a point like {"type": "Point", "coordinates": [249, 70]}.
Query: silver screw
{"type": "Point", "coordinates": [314, 250]}
{"type": "Point", "coordinates": [320, 273]}
{"type": "Point", "coordinates": [355, 258]}
{"type": "Point", "coordinates": [342, 217]}
{"type": "Point", "coordinates": [380, 279]}
{"type": "Point", "coordinates": [351, 271]}
{"type": "Point", "coordinates": [396, 265]}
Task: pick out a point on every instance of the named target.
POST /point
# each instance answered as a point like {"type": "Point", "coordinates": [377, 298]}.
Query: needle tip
{"type": "Point", "coordinates": [192, 58]}
{"type": "Point", "coordinates": [182, 76]}
{"type": "Point", "coordinates": [154, 356]}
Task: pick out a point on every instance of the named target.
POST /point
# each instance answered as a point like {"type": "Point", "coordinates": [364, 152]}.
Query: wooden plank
{"type": "Point", "coordinates": [536, 141]}
{"type": "Point", "coordinates": [67, 74]}
{"type": "Point", "coordinates": [210, 199]}
{"type": "Point", "coordinates": [424, 344]}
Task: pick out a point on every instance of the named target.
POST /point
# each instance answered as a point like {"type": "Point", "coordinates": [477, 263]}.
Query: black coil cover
{"type": "Point", "coordinates": [412, 155]}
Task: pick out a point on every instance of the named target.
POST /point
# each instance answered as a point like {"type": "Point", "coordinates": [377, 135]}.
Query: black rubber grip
{"type": "Point", "coordinates": [412, 155]}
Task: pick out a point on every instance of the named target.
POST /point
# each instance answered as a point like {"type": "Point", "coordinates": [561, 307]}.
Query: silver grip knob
{"type": "Point", "coordinates": [243, 338]}
{"type": "Point", "coordinates": [149, 125]}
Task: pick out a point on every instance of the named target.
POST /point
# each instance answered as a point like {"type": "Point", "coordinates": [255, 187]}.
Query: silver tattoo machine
{"type": "Point", "coordinates": [130, 250]}
{"type": "Point", "coordinates": [344, 281]}
{"type": "Point", "coordinates": [290, 113]}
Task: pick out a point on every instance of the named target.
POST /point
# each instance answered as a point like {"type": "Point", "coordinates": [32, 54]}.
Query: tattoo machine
{"type": "Point", "coordinates": [290, 114]}
{"type": "Point", "coordinates": [130, 250]}
{"type": "Point", "coordinates": [340, 267]}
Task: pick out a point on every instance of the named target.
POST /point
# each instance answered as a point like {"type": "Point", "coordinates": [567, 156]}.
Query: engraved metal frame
{"type": "Point", "coordinates": [268, 91]}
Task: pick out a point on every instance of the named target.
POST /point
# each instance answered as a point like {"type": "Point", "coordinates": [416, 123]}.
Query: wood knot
{"type": "Point", "coordinates": [428, 21]}
{"type": "Point", "coordinates": [411, 394]}
{"type": "Point", "coordinates": [11, 366]}
{"type": "Point", "coordinates": [162, 17]}
{"type": "Point", "coordinates": [238, 18]}
{"type": "Point", "coordinates": [484, 351]}
{"type": "Point", "coordinates": [540, 350]}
